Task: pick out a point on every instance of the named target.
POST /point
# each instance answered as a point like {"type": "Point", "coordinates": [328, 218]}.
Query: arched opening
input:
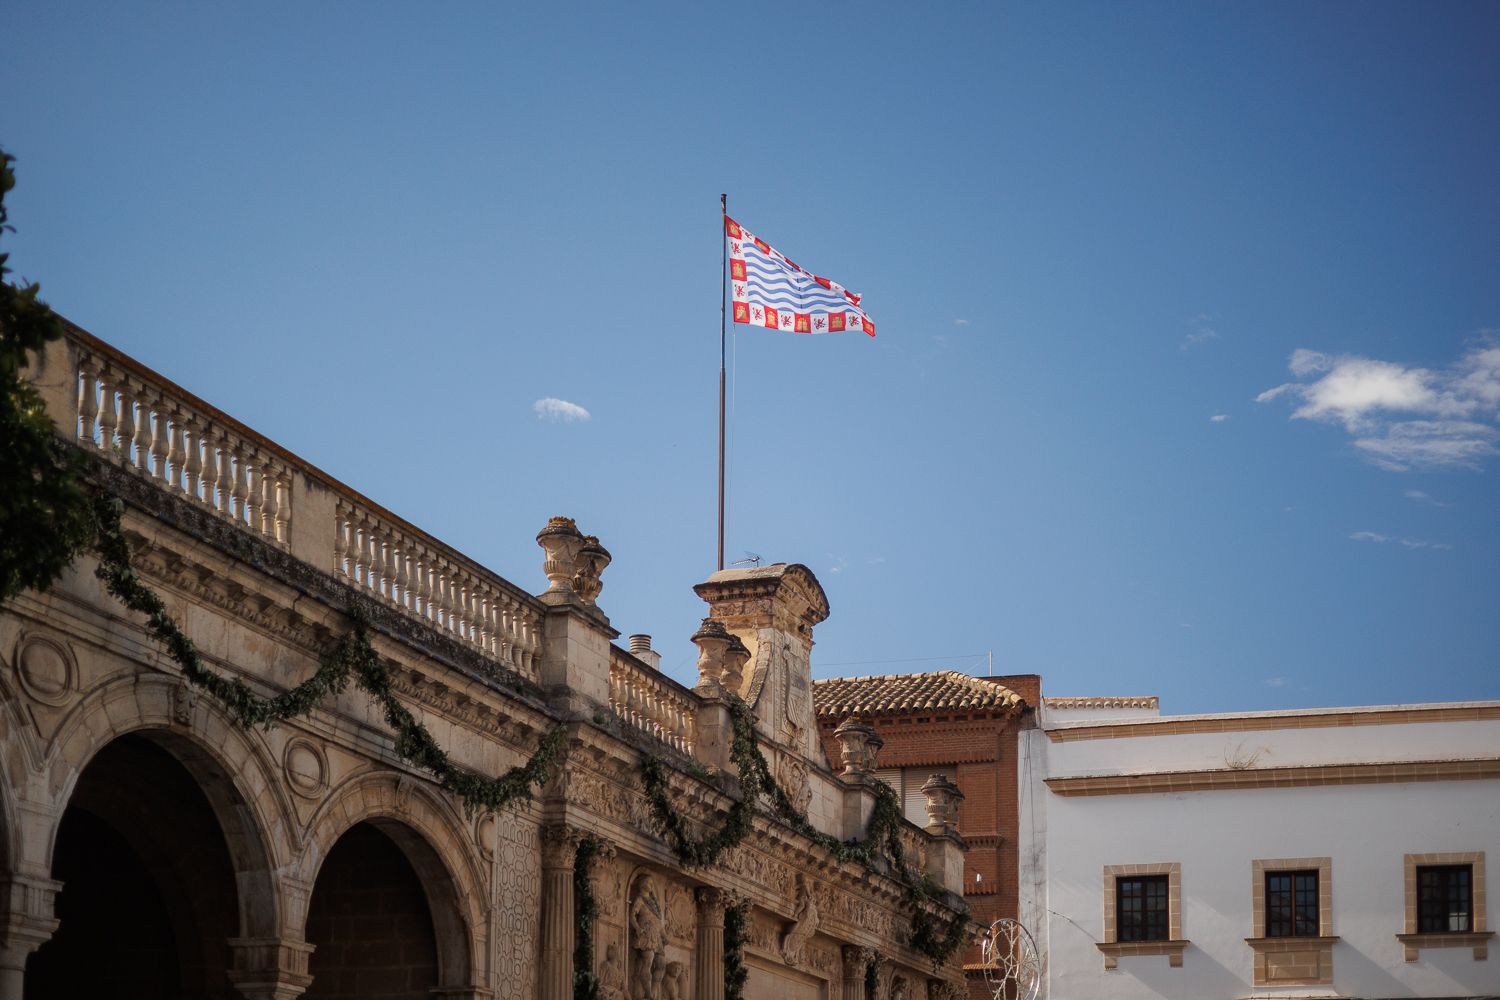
{"type": "Point", "coordinates": [149, 899]}
{"type": "Point", "coordinates": [370, 920]}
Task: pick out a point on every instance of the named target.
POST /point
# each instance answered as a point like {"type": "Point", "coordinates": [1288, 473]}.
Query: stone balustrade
{"type": "Point", "coordinates": [424, 578]}
{"type": "Point", "coordinates": [134, 418]}
{"type": "Point", "coordinates": [652, 702]}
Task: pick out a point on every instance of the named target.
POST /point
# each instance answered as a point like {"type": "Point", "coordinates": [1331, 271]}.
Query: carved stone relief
{"type": "Point", "coordinates": [804, 926]}
{"type": "Point", "coordinates": [519, 889]}
{"type": "Point", "coordinates": [46, 669]}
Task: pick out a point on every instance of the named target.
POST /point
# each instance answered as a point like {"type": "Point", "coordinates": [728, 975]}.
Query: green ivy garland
{"type": "Point", "coordinates": [585, 912]}
{"type": "Point", "coordinates": [352, 657]}
{"type": "Point", "coordinates": [872, 976]}
{"type": "Point", "coordinates": [882, 837]}
{"type": "Point", "coordinates": [736, 933]}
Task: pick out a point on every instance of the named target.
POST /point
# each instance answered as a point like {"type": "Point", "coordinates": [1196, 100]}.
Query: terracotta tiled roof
{"type": "Point", "coordinates": [838, 697]}
{"type": "Point", "coordinates": [1144, 701]}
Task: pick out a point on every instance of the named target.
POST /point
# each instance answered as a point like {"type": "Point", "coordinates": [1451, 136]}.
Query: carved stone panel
{"type": "Point", "coordinates": [518, 906]}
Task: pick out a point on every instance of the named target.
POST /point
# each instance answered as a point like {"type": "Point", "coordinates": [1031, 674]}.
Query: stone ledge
{"type": "Point", "coordinates": [1478, 940]}
{"type": "Point", "coordinates": [1115, 950]}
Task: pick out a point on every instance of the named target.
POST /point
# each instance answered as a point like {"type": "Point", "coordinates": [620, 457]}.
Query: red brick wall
{"type": "Point", "coordinates": [983, 747]}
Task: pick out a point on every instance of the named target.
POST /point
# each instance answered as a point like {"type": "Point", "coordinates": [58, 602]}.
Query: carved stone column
{"type": "Point", "coordinates": [26, 923]}
{"type": "Point", "coordinates": [710, 951]}
{"type": "Point", "coordinates": [855, 960]}
{"type": "Point", "coordinates": [559, 853]}
{"type": "Point", "coordinates": [269, 968]}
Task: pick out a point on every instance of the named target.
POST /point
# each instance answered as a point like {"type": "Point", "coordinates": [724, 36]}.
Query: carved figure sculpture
{"type": "Point", "coordinates": [901, 989]}
{"type": "Point", "coordinates": [611, 975]}
{"type": "Point", "coordinates": [804, 925]}
{"type": "Point", "coordinates": [675, 983]}
{"type": "Point", "coordinates": [648, 939]}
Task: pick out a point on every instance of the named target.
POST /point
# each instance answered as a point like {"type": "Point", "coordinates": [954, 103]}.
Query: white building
{"type": "Point", "coordinates": [1314, 853]}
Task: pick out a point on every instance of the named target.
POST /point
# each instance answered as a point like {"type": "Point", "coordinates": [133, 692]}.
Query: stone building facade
{"type": "Point", "coordinates": [151, 846]}
{"type": "Point", "coordinates": [964, 729]}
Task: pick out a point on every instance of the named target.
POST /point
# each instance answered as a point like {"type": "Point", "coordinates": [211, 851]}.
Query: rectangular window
{"type": "Point", "coordinates": [1445, 899]}
{"type": "Point", "coordinates": [1292, 904]}
{"type": "Point", "coordinates": [1141, 908]}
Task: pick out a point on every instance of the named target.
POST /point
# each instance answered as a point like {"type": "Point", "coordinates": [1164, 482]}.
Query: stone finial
{"type": "Point", "coordinates": [943, 798]}
{"type": "Point", "coordinates": [712, 640]}
{"type": "Point", "coordinates": [560, 541]}
{"type": "Point", "coordinates": [735, 658]}
{"type": "Point", "coordinates": [859, 746]}
{"type": "Point", "coordinates": [591, 560]}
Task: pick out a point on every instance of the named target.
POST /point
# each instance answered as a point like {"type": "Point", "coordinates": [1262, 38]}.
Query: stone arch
{"type": "Point", "coordinates": [436, 841]}
{"type": "Point", "coordinates": [232, 768]}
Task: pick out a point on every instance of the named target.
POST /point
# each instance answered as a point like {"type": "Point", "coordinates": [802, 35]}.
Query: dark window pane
{"type": "Point", "coordinates": [1445, 900]}
{"type": "Point", "coordinates": [1141, 908]}
{"type": "Point", "coordinates": [1292, 904]}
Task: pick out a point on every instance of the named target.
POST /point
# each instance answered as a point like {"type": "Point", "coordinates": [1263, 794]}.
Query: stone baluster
{"type": "Point", "coordinates": [127, 420]}
{"type": "Point", "coordinates": [424, 583]}
{"type": "Point", "coordinates": [176, 451]}
{"type": "Point", "coordinates": [341, 565]}
{"type": "Point", "coordinates": [400, 581]}
{"type": "Point", "coordinates": [160, 443]}
{"type": "Point", "coordinates": [143, 432]}
{"type": "Point", "coordinates": [273, 502]}
{"type": "Point", "coordinates": [193, 467]}
{"type": "Point", "coordinates": [109, 417]}
{"type": "Point", "coordinates": [710, 951]}
{"type": "Point", "coordinates": [88, 402]}
{"type": "Point", "coordinates": [559, 855]}
{"type": "Point", "coordinates": [210, 467]}
{"type": "Point", "coordinates": [255, 493]}
{"type": "Point", "coordinates": [241, 489]}
{"type": "Point", "coordinates": [225, 479]}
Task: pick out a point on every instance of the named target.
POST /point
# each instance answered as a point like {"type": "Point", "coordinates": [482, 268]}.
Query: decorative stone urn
{"type": "Point", "coordinates": [591, 560]}
{"type": "Point", "coordinates": [859, 746]}
{"type": "Point", "coordinates": [735, 658]}
{"type": "Point", "coordinates": [712, 640]}
{"type": "Point", "coordinates": [561, 541]}
{"type": "Point", "coordinates": [943, 798]}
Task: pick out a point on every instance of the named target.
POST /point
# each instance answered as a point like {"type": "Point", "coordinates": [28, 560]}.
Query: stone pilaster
{"type": "Point", "coordinates": [269, 968]}
{"type": "Point", "coordinates": [26, 923]}
{"type": "Point", "coordinates": [559, 854]}
{"type": "Point", "coordinates": [710, 952]}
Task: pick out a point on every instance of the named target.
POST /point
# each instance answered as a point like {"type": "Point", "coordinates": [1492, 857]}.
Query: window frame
{"type": "Point", "coordinates": [1155, 922]}
{"type": "Point", "coordinates": [1444, 901]}
{"type": "Point", "coordinates": [1173, 945]}
{"type": "Point", "coordinates": [1295, 959]}
{"type": "Point", "coordinates": [1477, 937]}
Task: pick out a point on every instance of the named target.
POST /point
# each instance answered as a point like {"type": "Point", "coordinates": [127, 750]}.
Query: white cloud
{"type": "Point", "coordinates": [1401, 417]}
{"type": "Point", "coordinates": [1421, 497]}
{"type": "Point", "coordinates": [1218, 418]}
{"type": "Point", "coordinates": [960, 322]}
{"type": "Point", "coordinates": [559, 411]}
{"type": "Point", "coordinates": [1275, 682]}
{"type": "Point", "coordinates": [1408, 543]}
{"type": "Point", "coordinates": [1202, 334]}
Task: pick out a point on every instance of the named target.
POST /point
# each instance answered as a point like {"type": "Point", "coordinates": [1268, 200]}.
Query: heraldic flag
{"type": "Point", "coordinates": [773, 292]}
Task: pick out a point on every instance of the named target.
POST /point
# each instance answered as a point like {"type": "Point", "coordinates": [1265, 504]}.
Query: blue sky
{"type": "Point", "coordinates": [1092, 237]}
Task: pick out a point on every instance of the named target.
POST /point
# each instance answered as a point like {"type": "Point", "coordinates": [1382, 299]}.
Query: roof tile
{"type": "Point", "coordinates": [838, 697]}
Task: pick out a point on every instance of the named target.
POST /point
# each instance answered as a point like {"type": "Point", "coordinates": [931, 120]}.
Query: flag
{"type": "Point", "coordinates": [773, 292]}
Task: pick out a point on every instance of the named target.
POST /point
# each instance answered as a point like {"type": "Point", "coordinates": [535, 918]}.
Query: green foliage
{"type": "Point", "coordinates": [44, 511]}
{"type": "Point", "coordinates": [736, 933]}
{"type": "Point", "coordinates": [881, 840]}
{"type": "Point", "coordinates": [353, 658]}
{"type": "Point", "coordinates": [585, 912]}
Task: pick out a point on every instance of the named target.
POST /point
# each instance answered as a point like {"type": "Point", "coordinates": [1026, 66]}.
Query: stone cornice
{"type": "Point", "coordinates": [1297, 776]}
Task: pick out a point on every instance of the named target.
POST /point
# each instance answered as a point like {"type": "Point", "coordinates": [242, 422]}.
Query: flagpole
{"type": "Point", "coordinates": [723, 296]}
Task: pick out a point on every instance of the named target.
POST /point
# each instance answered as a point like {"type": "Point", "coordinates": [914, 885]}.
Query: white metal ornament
{"type": "Point", "coordinates": [1012, 965]}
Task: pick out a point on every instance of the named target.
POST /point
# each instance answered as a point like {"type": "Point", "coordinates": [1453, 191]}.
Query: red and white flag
{"type": "Point", "coordinates": [770, 291]}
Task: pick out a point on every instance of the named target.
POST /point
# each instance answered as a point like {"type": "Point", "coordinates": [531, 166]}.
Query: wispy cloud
{"type": "Point", "coordinates": [559, 411]}
{"type": "Point", "coordinates": [1409, 543]}
{"type": "Point", "coordinates": [1275, 682]}
{"type": "Point", "coordinates": [1403, 418]}
{"type": "Point", "coordinates": [1201, 333]}
{"type": "Point", "coordinates": [1218, 418]}
{"type": "Point", "coordinates": [1420, 497]}
{"type": "Point", "coordinates": [960, 322]}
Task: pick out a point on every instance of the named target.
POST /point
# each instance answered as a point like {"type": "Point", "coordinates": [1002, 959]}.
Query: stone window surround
{"type": "Point", "coordinates": [1175, 943]}
{"type": "Point", "coordinates": [1320, 947]}
{"type": "Point", "coordinates": [1412, 941]}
